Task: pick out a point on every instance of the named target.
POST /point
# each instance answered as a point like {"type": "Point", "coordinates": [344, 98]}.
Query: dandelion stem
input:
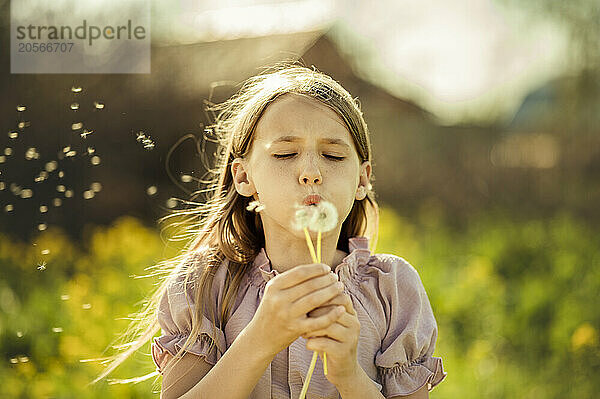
{"type": "Point", "coordinates": [310, 371]}
{"type": "Point", "coordinates": [310, 245]}
{"type": "Point", "coordinates": [319, 259]}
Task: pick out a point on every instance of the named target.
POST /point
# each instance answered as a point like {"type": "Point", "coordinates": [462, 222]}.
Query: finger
{"type": "Point", "coordinates": [321, 322]}
{"type": "Point", "coordinates": [335, 331]}
{"type": "Point", "coordinates": [299, 274]}
{"type": "Point", "coordinates": [315, 299]}
{"type": "Point", "coordinates": [309, 286]}
{"type": "Point", "coordinates": [323, 344]}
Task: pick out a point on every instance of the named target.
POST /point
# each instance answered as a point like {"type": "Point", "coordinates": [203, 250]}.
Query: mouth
{"type": "Point", "coordinates": [312, 199]}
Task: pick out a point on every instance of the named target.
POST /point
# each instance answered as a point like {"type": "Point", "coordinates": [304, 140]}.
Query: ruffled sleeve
{"type": "Point", "coordinates": [404, 363]}
{"type": "Point", "coordinates": [175, 319]}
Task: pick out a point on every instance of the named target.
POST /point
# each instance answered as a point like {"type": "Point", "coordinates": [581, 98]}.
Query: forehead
{"type": "Point", "coordinates": [297, 115]}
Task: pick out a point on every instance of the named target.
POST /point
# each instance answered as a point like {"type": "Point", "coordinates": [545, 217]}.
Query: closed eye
{"type": "Point", "coordinates": [285, 156]}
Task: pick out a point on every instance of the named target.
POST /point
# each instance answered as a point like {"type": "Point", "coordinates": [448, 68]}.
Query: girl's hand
{"type": "Point", "coordinates": [339, 340]}
{"type": "Point", "coordinates": [282, 316]}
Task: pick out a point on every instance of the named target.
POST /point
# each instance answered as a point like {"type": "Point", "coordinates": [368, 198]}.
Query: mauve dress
{"type": "Point", "coordinates": [397, 327]}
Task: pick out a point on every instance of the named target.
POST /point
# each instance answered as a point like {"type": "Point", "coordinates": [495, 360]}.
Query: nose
{"type": "Point", "coordinates": [310, 174]}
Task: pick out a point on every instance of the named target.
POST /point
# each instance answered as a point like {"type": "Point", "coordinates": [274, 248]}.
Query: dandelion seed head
{"type": "Point", "coordinates": [326, 217]}
{"type": "Point", "coordinates": [303, 216]}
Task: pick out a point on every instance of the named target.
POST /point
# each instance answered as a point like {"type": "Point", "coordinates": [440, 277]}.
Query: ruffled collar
{"type": "Point", "coordinates": [359, 256]}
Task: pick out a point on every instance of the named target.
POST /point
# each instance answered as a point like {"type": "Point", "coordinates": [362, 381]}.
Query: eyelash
{"type": "Point", "coordinates": [285, 156]}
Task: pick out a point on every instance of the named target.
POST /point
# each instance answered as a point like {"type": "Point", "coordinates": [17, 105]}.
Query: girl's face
{"type": "Point", "coordinates": [300, 147]}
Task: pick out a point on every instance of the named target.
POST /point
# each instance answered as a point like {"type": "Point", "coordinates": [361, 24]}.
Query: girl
{"type": "Point", "coordinates": [245, 307]}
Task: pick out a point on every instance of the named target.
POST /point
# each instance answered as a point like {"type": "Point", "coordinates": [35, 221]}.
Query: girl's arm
{"type": "Point", "coordinates": [422, 393]}
{"type": "Point", "coordinates": [234, 376]}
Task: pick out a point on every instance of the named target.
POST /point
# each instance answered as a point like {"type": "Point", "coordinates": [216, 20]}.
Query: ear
{"type": "Point", "coordinates": [241, 179]}
{"type": "Point", "coordinates": [363, 182]}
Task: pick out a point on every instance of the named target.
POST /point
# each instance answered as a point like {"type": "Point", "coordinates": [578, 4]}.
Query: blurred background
{"type": "Point", "coordinates": [484, 118]}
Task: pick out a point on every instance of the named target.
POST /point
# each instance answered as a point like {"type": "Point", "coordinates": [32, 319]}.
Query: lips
{"type": "Point", "coordinates": [312, 199]}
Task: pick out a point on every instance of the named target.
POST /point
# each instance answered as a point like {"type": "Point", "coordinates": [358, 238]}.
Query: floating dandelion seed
{"type": "Point", "coordinates": [67, 149]}
{"type": "Point", "coordinates": [23, 359]}
{"type": "Point", "coordinates": [57, 329]}
{"type": "Point", "coordinates": [96, 187]}
{"type": "Point", "coordinates": [31, 154]}
{"type": "Point", "coordinates": [61, 174]}
{"type": "Point", "coordinates": [13, 135]}
{"type": "Point", "coordinates": [23, 125]}
{"type": "Point", "coordinates": [1, 185]}
{"type": "Point", "coordinates": [140, 136]}
{"type": "Point", "coordinates": [69, 193]}
{"type": "Point", "coordinates": [90, 150]}
{"type": "Point", "coordinates": [42, 266]}
{"type": "Point", "coordinates": [71, 153]}
{"type": "Point", "coordinates": [60, 188]}
{"type": "Point", "coordinates": [303, 217]}
{"type": "Point", "coordinates": [75, 106]}
{"type": "Point", "coordinates": [149, 146]}
{"type": "Point", "coordinates": [151, 190]}
{"type": "Point", "coordinates": [51, 166]}
{"type": "Point", "coordinates": [95, 160]}
{"type": "Point", "coordinates": [45, 251]}
{"type": "Point", "coordinates": [19, 334]}
{"type": "Point", "coordinates": [2, 159]}
{"type": "Point", "coordinates": [65, 297]}
{"type": "Point", "coordinates": [56, 202]}
{"type": "Point", "coordinates": [86, 306]}
{"type": "Point", "coordinates": [76, 126]}
{"type": "Point", "coordinates": [14, 360]}
{"type": "Point", "coordinates": [7, 151]}
{"type": "Point", "coordinates": [42, 226]}
{"type": "Point", "coordinates": [171, 203]}
{"type": "Point", "coordinates": [326, 217]}
{"type": "Point", "coordinates": [21, 108]}
{"type": "Point", "coordinates": [88, 194]}
{"type": "Point", "coordinates": [8, 208]}
{"type": "Point", "coordinates": [86, 133]}
{"type": "Point", "coordinates": [186, 178]}
{"type": "Point", "coordinates": [98, 105]}
{"type": "Point", "coordinates": [43, 209]}
{"type": "Point", "coordinates": [27, 193]}
{"type": "Point", "coordinates": [76, 89]}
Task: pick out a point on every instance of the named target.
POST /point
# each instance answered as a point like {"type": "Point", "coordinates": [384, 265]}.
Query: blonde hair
{"type": "Point", "coordinates": [221, 227]}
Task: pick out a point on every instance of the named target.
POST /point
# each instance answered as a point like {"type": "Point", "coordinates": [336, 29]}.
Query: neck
{"type": "Point", "coordinates": [286, 251]}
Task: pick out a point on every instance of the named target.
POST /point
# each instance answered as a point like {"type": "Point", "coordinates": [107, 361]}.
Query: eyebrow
{"type": "Point", "coordinates": [292, 139]}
